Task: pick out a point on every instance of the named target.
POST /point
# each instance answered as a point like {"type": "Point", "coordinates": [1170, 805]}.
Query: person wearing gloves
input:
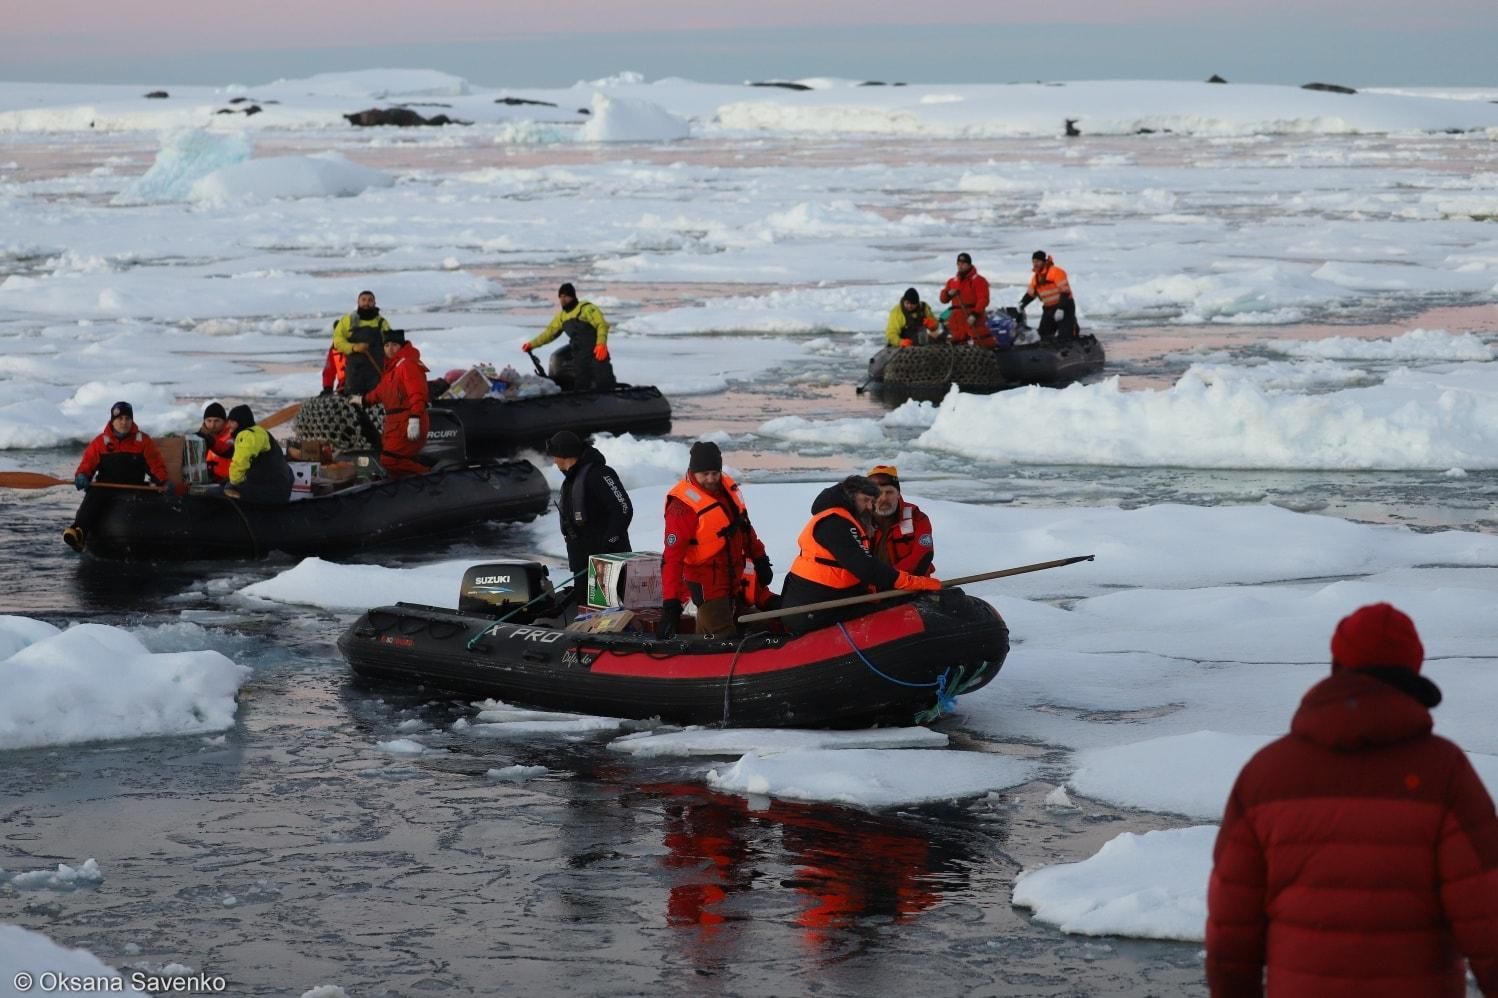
{"type": "Point", "coordinates": [259, 472]}
{"type": "Point", "coordinates": [218, 442]}
{"type": "Point", "coordinates": [1358, 854]}
{"type": "Point", "coordinates": [587, 334]}
{"type": "Point", "coordinates": [1048, 283]}
{"type": "Point", "coordinates": [356, 342]}
{"type": "Point", "coordinates": [120, 455]}
{"type": "Point", "coordinates": [835, 558]}
{"type": "Point", "coordinates": [967, 293]}
{"type": "Point", "coordinates": [712, 555]}
{"type": "Point", "coordinates": [594, 509]}
{"type": "Point", "coordinates": [403, 392]}
{"type": "Point", "coordinates": [910, 321]}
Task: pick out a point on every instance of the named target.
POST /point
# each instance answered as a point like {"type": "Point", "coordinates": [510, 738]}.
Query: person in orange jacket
{"type": "Point", "coordinates": [120, 455]}
{"type": "Point", "coordinates": [968, 295]}
{"type": "Point", "coordinates": [403, 392]}
{"type": "Point", "coordinates": [910, 321]}
{"type": "Point", "coordinates": [835, 557]}
{"type": "Point", "coordinates": [1048, 283]}
{"type": "Point", "coordinates": [1358, 854]}
{"type": "Point", "coordinates": [218, 440]}
{"type": "Point", "coordinates": [902, 533]}
{"type": "Point", "coordinates": [712, 554]}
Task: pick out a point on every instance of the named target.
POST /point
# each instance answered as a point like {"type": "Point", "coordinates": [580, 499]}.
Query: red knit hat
{"type": "Point", "coordinates": [1377, 635]}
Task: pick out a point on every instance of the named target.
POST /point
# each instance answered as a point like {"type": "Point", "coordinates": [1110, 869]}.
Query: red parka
{"type": "Point", "coordinates": [708, 541]}
{"type": "Point", "coordinates": [905, 543]}
{"type": "Point", "coordinates": [968, 295]}
{"type": "Point", "coordinates": [120, 459]}
{"type": "Point", "coordinates": [1358, 858]}
{"type": "Point", "coordinates": [403, 392]}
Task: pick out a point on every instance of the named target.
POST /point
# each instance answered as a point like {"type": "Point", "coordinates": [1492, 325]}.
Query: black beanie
{"type": "Point", "coordinates": [564, 443]}
{"type": "Point", "coordinates": [241, 416]}
{"type": "Point", "coordinates": [705, 457]}
{"type": "Point", "coordinates": [1039, 255]}
{"type": "Point", "coordinates": [214, 410]}
{"type": "Point", "coordinates": [568, 290]}
{"type": "Point", "coordinates": [964, 258]}
{"type": "Point", "coordinates": [912, 296]}
{"type": "Point", "coordinates": [122, 409]}
{"type": "Point", "coordinates": [855, 484]}
{"type": "Point", "coordinates": [394, 336]}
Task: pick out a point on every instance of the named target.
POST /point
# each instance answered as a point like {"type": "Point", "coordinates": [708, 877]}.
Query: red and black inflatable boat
{"type": "Point", "coordinates": [890, 665]}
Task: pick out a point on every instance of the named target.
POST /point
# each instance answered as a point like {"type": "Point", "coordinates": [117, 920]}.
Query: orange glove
{"type": "Point", "coordinates": [601, 352]}
{"type": "Point", "coordinates": [929, 322]}
{"type": "Point", "coordinates": [917, 583]}
{"type": "Point", "coordinates": [526, 347]}
{"type": "Point", "coordinates": [905, 343]}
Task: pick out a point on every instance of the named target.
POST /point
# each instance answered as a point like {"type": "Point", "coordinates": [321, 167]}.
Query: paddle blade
{"type": "Point", "coordinates": [281, 415]}
{"type": "Point", "coordinates": [30, 480]}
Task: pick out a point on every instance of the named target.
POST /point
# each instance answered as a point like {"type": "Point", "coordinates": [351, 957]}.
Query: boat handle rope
{"type": "Point", "coordinates": [255, 551]}
{"type": "Point", "coordinates": [945, 702]}
{"type": "Point", "coordinates": [728, 680]}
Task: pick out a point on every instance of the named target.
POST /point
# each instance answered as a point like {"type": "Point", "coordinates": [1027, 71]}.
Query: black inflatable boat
{"type": "Point", "coordinates": [893, 664]}
{"type": "Point", "coordinates": [142, 526]}
{"type": "Point", "coordinates": [935, 367]}
{"type": "Point", "coordinates": [495, 426]}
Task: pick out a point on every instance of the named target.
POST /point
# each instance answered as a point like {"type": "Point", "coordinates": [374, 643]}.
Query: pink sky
{"type": "Point", "coordinates": [72, 28]}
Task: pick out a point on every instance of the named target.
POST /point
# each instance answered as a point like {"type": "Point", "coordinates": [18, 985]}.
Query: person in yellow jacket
{"type": "Point", "coordinates": [259, 472]}
{"type": "Point", "coordinates": [359, 338]}
{"type": "Point", "coordinates": [909, 321]}
{"type": "Point", "coordinates": [587, 337]}
{"type": "Point", "coordinates": [1049, 284]}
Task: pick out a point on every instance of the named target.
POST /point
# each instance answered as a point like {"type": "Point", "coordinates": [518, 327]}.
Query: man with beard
{"type": "Point", "coordinates": [712, 554]}
{"type": "Point", "coordinates": [595, 510]}
{"type": "Point", "coordinates": [910, 321]}
{"type": "Point", "coordinates": [587, 335]}
{"type": "Point", "coordinates": [902, 533]}
{"type": "Point", "coordinates": [356, 359]}
{"type": "Point", "coordinates": [835, 558]}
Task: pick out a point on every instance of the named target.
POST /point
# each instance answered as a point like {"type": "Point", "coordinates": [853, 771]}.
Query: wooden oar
{"type": "Point", "coordinates": [749, 618]}
{"type": "Point", "coordinates": [281, 415]}
{"type": "Point", "coordinates": [36, 480]}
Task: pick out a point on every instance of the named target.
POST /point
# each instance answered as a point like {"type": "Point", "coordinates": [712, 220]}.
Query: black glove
{"type": "Point", "coordinates": [1024, 301]}
{"type": "Point", "coordinates": [763, 573]}
{"type": "Point", "coordinates": [670, 617]}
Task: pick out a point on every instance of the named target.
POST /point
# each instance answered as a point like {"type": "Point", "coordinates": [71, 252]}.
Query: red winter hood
{"type": "Point", "coordinates": [1348, 710]}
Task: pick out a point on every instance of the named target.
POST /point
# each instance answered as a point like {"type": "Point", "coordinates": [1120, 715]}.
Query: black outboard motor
{"type": "Point", "coordinates": [498, 588]}
{"type": "Point", "coordinates": [446, 447]}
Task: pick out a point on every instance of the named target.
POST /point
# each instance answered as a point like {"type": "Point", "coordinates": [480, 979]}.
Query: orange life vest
{"type": "Point", "coordinates": [815, 563]}
{"type": "Point", "coordinates": [1049, 284]}
{"type": "Point", "coordinates": [707, 560]}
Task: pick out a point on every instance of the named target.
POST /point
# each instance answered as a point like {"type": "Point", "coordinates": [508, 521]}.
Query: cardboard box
{"type": "Point", "coordinates": [631, 579]}
{"type": "Point", "coordinates": [173, 452]}
{"type": "Point", "coordinates": [302, 474]}
{"type": "Point", "coordinates": [195, 461]}
{"type": "Point", "coordinates": [473, 385]}
{"type": "Point", "coordinates": [336, 473]}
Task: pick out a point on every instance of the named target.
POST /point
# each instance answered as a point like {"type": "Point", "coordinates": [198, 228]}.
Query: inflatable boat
{"type": "Point", "coordinates": [974, 369]}
{"type": "Point", "coordinates": [143, 526]}
{"type": "Point", "coordinates": [495, 426]}
{"type": "Point", "coordinates": [508, 640]}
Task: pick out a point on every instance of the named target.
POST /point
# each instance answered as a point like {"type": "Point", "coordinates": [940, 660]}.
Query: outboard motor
{"type": "Point", "coordinates": [502, 587]}
{"type": "Point", "coordinates": [446, 446]}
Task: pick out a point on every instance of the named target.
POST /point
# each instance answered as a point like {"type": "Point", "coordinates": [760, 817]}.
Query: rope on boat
{"type": "Point", "coordinates": [946, 702]}
{"type": "Point", "coordinates": [728, 680]}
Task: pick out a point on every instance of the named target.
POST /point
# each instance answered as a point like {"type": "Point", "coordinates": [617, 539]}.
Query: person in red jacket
{"type": "Point", "coordinates": [902, 533]}
{"type": "Point", "coordinates": [403, 392]}
{"type": "Point", "coordinates": [712, 554]}
{"type": "Point", "coordinates": [968, 295]}
{"type": "Point", "coordinates": [218, 441]}
{"type": "Point", "coordinates": [120, 455]}
{"type": "Point", "coordinates": [1358, 855]}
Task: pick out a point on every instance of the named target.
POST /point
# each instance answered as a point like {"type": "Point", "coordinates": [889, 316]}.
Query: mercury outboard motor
{"type": "Point", "coordinates": [446, 446]}
{"type": "Point", "coordinates": [499, 588]}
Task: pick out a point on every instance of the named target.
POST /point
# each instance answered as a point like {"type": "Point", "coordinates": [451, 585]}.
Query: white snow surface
{"type": "Point", "coordinates": [287, 177]}
{"type": "Point", "coordinates": [94, 682]}
{"type": "Point", "coordinates": [22, 950]}
{"type": "Point", "coordinates": [871, 778]}
{"type": "Point", "coordinates": [769, 741]}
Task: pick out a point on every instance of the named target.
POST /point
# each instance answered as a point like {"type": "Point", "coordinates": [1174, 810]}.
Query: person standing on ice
{"type": "Point", "coordinates": [355, 360]}
{"type": "Point", "coordinates": [1358, 855]}
{"type": "Point", "coordinates": [587, 335]}
{"type": "Point", "coordinates": [712, 555]}
{"type": "Point", "coordinates": [120, 455]}
{"type": "Point", "coordinates": [1048, 283]}
{"type": "Point", "coordinates": [835, 558]}
{"type": "Point", "coordinates": [403, 392]}
{"type": "Point", "coordinates": [910, 321]}
{"type": "Point", "coordinates": [902, 533]}
{"type": "Point", "coordinates": [968, 295]}
{"type": "Point", "coordinates": [595, 510]}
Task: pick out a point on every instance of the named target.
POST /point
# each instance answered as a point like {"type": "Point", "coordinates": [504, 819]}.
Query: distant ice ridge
{"type": "Point", "coordinates": [184, 158]}
{"type": "Point", "coordinates": [378, 84]}
{"type": "Point", "coordinates": [324, 175]}
{"type": "Point", "coordinates": [628, 119]}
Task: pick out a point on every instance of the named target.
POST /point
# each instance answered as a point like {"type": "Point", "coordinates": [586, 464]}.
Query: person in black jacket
{"type": "Point", "coordinates": [594, 507]}
{"type": "Point", "coordinates": [835, 558]}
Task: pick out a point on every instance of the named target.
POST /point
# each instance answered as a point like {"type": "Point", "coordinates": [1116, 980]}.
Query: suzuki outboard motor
{"type": "Point", "coordinates": [503, 587]}
{"type": "Point", "coordinates": [446, 446]}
